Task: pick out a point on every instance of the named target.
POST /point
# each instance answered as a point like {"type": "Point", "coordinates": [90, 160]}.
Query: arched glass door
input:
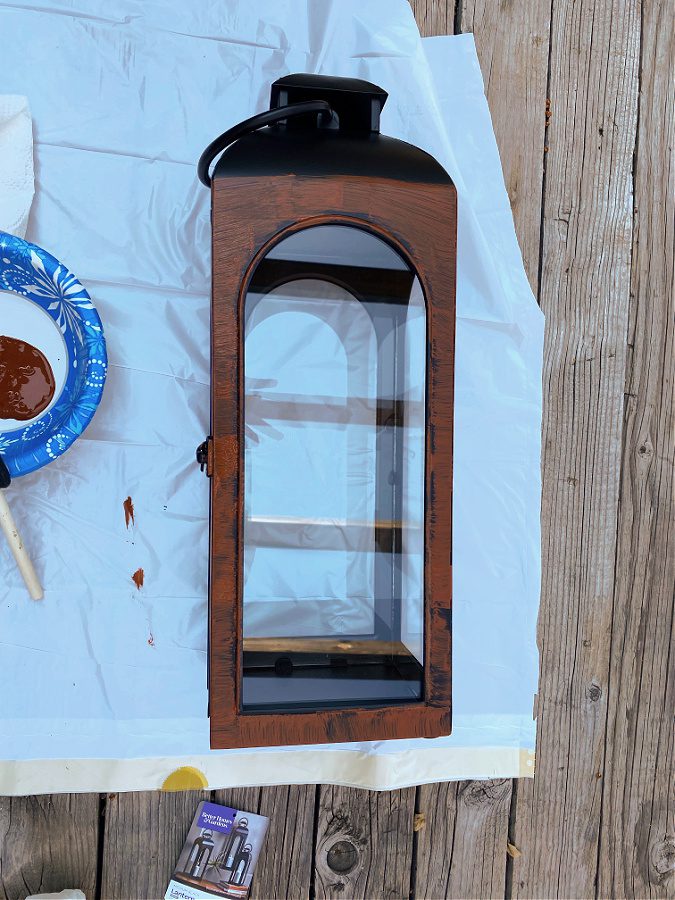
{"type": "Point", "coordinates": [334, 415]}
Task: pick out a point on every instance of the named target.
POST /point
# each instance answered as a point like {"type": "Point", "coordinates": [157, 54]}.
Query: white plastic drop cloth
{"type": "Point", "coordinates": [103, 686]}
{"type": "Point", "coordinates": [16, 164]}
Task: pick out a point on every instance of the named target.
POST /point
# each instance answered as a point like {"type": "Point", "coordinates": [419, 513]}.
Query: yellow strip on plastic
{"type": "Point", "coordinates": [353, 768]}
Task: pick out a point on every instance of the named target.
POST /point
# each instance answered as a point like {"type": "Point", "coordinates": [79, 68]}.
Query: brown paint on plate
{"type": "Point", "coordinates": [138, 578]}
{"type": "Point", "coordinates": [129, 511]}
{"type": "Point", "coordinates": [26, 380]}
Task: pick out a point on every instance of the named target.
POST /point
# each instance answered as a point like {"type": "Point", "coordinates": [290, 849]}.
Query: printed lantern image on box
{"type": "Point", "coordinates": [330, 457]}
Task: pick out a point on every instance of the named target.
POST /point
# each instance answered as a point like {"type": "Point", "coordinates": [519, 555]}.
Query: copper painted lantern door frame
{"type": "Point", "coordinates": [419, 222]}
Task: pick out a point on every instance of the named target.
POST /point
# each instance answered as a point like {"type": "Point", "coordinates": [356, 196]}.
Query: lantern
{"type": "Point", "coordinates": [199, 855]}
{"type": "Point", "coordinates": [330, 455]}
{"type": "Point", "coordinates": [235, 842]}
{"type": "Point", "coordinates": [242, 863]}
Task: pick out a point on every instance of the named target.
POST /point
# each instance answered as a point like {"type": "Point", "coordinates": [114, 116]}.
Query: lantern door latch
{"type": "Point", "coordinates": [205, 456]}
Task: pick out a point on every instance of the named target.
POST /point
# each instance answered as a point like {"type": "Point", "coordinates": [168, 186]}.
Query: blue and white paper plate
{"type": "Point", "coordinates": [53, 311]}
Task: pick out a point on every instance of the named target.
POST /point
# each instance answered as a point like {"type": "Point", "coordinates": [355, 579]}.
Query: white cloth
{"type": "Point", "coordinates": [124, 99]}
{"type": "Point", "coordinates": [16, 163]}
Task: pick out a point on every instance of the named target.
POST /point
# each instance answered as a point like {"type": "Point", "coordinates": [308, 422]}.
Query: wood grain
{"type": "Point", "coordinates": [512, 42]}
{"type": "Point", "coordinates": [244, 798]}
{"type": "Point", "coordinates": [585, 290]}
{"type": "Point", "coordinates": [144, 834]}
{"type": "Point", "coordinates": [406, 215]}
{"type": "Point", "coordinates": [434, 16]}
{"type": "Point", "coordinates": [324, 645]}
{"type": "Point", "coordinates": [467, 855]}
{"type": "Point", "coordinates": [364, 843]}
{"type": "Point", "coordinates": [48, 843]}
{"type": "Point", "coordinates": [285, 866]}
{"type": "Point", "coordinates": [637, 841]}
{"type": "Point", "coordinates": [461, 848]}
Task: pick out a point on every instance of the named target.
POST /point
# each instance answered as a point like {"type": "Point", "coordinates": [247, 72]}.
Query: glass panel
{"type": "Point", "coordinates": [334, 413]}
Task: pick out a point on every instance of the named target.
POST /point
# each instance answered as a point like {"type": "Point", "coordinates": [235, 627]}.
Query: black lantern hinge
{"type": "Point", "coordinates": [205, 456]}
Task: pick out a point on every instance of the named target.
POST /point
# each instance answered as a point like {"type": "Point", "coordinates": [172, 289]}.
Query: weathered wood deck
{"type": "Point", "coordinates": [582, 100]}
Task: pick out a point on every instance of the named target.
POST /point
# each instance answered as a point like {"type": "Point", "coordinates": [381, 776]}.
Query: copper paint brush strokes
{"type": "Point", "coordinates": [26, 380]}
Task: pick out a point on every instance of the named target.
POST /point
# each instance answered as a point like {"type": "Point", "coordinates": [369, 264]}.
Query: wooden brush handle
{"type": "Point", "coordinates": [21, 556]}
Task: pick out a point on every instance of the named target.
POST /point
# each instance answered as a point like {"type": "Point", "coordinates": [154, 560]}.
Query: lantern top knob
{"type": "Point", "coordinates": [356, 104]}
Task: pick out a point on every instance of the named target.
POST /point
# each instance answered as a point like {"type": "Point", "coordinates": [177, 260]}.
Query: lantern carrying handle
{"type": "Point", "coordinates": [270, 117]}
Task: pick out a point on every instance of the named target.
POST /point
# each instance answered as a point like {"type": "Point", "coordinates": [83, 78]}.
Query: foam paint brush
{"type": "Point", "coordinates": [16, 545]}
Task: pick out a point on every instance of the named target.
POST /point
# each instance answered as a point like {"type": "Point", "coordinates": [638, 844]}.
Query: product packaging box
{"type": "Point", "coordinates": [219, 855]}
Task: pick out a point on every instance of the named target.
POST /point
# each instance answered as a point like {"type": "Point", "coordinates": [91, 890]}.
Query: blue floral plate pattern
{"type": "Point", "coordinates": [33, 273]}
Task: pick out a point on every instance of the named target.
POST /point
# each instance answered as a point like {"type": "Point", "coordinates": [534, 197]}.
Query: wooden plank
{"type": "Point", "coordinates": [637, 842]}
{"type": "Point", "coordinates": [49, 842]}
{"type": "Point", "coordinates": [244, 798]}
{"type": "Point", "coordinates": [462, 850]}
{"type": "Point", "coordinates": [585, 288]}
{"type": "Point", "coordinates": [512, 41]}
{"type": "Point", "coordinates": [434, 16]}
{"type": "Point", "coordinates": [364, 843]}
{"type": "Point", "coordinates": [285, 865]}
{"type": "Point", "coordinates": [143, 837]}
{"type": "Point", "coordinates": [461, 846]}
{"type": "Point", "coordinates": [321, 645]}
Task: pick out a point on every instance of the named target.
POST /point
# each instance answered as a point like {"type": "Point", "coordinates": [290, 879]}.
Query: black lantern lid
{"type": "Point", "coordinates": [349, 143]}
{"type": "Point", "coordinates": [357, 104]}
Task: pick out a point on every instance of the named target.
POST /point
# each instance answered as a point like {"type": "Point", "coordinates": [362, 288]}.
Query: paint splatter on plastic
{"type": "Point", "coordinates": [129, 512]}
{"type": "Point", "coordinates": [138, 578]}
{"type": "Point", "coordinates": [151, 640]}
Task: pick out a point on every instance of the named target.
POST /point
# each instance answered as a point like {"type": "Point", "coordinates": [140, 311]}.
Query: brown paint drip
{"type": "Point", "coordinates": [26, 380]}
{"type": "Point", "coordinates": [138, 578]}
{"type": "Point", "coordinates": [129, 511]}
